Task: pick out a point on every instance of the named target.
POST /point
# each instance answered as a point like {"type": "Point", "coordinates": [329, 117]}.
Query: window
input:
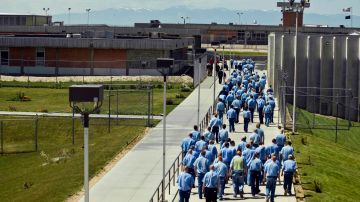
{"type": "Point", "coordinates": [40, 56]}
{"type": "Point", "coordinates": [4, 57]}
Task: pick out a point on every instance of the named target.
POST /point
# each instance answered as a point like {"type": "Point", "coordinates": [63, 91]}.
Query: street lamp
{"type": "Point", "coordinates": [46, 10]}
{"type": "Point", "coordinates": [69, 15]}
{"type": "Point", "coordinates": [199, 52]}
{"type": "Point", "coordinates": [214, 45]}
{"type": "Point", "coordinates": [164, 66]}
{"type": "Point", "coordinates": [86, 99]}
{"type": "Point", "coordinates": [239, 14]}
{"type": "Point", "coordinates": [88, 15]}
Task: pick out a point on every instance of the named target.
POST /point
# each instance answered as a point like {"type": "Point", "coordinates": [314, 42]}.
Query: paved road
{"type": "Point", "coordinates": [7, 113]}
{"type": "Point", "coordinates": [136, 176]}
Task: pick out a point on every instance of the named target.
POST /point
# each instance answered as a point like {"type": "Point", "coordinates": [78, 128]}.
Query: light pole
{"type": "Point", "coordinates": [88, 15]}
{"type": "Point", "coordinates": [46, 10]}
{"type": "Point", "coordinates": [165, 64]}
{"type": "Point", "coordinates": [69, 9]}
{"type": "Point", "coordinates": [298, 8]}
{"type": "Point", "coordinates": [214, 45]}
{"type": "Point", "coordinates": [239, 14]}
{"type": "Point", "coordinates": [184, 19]}
{"type": "Point", "coordinates": [86, 99]}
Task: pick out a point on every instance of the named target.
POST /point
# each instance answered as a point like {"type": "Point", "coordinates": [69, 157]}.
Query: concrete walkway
{"type": "Point", "coordinates": [270, 133]}
{"type": "Point", "coordinates": [8, 113]}
{"type": "Point", "coordinates": [136, 176]}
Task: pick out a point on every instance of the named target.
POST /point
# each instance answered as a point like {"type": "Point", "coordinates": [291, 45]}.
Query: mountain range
{"type": "Point", "coordinates": [129, 16]}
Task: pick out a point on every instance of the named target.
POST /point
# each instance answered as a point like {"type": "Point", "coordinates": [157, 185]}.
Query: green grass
{"type": "Point", "coordinates": [24, 177]}
{"type": "Point", "coordinates": [44, 98]}
{"type": "Point", "coordinates": [335, 165]}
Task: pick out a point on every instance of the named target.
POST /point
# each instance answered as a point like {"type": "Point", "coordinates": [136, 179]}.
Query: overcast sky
{"type": "Point", "coordinates": [61, 6]}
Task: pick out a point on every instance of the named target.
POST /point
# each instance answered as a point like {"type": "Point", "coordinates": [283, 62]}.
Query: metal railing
{"type": "Point", "coordinates": [174, 169]}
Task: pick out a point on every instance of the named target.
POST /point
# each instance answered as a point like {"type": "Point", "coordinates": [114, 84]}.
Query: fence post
{"type": "Point", "coordinates": [36, 132]}
{"type": "Point", "coordinates": [117, 106]}
{"type": "Point", "coordinates": [148, 94]}
{"type": "Point", "coordinates": [2, 136]}
{"type": "Point", "coordinates": [109, 109]}
{"type": "Point", "coordinates": [73, 127]}
{"type": "Point", "coordinates": [337, 115]}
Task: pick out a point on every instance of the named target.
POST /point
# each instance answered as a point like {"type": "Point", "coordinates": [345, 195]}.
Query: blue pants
{"type": "Point", "coordinates": [200, 184]}
{"type": "Point", "coordinates": [254, 181]}
{"type": "Point", "coordinates": [270, 188]}
{"type": "Point", "coordinates": [246, 124]}
{"type": "Point", "coordinates": [238, 181]}
{"type": "Point", "coordinates": [221, 114]}
{"type": "Point", "coordinates": [261, 115]}
{"type": "Point", "coordinates": [279, 149]}
{"type": "Point", "coordinates": [237, 114]}
{"type": "Point", "coordinates": [267, 119]}
{"type": "Point", "coordinates": [221, 187]}
{"type": "Point", "coordinates": [232, 125]}
{"type": "Point", "coordinates": [251, 114]}
{"type": "Point", "coordinates": [184, 196]}
{"type": "Point", "coordinates": [288, 176]}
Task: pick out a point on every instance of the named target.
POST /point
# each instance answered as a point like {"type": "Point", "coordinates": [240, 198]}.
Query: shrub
{"type": "Point", "coordinates": [185, 88]}
{"type": "Point", "coordinates": [181, 96]}
{"type": "Point", "coordinates": [12, 108]}
{"type": "Point", "coordinates": [44, 110]}
{"type": "Point", "coordinates": [169, 101]}
{"type": "Point", "coordinates": [20, 96]}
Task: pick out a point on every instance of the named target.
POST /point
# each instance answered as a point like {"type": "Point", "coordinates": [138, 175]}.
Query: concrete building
{"type": "Point", "coordinates": [327, 71]}
{"type": "Point", "coordinates": [7, 19]}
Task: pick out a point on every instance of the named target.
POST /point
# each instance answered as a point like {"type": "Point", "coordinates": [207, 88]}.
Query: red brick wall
{"type": "Point", "coordinates": [110, 58]}
{"type": "Point", "coordinates": [74, 57]}
{"type": "Point", "coordinates": [15, 56]}
{"type": "Point", "coordinates": [26, 54]}
{"type": "Point", "coordinates": [289, 19]}
{"type": "Point", "coordinates": [50, 57]}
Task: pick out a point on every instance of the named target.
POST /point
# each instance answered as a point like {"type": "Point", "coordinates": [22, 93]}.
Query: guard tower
{"type": "Point", "coordinates": [292, 10]}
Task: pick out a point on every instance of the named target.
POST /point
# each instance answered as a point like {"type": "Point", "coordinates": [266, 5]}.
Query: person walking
{"type": "Point", "coordinates": [211, 185]}
{"type": "Point", "coordinates": [196, 133]}
{"type": "Point", "coordinates": [224, 135]}
{"type": "Point", "coordinates": [280, 141]}
{"type": "Point", "coordinates": [260, 107]}
{"type": "Point", "coordinates": [237, 106]}
{"type": "Point", "coordinates": [186, 143]}
{"type": "Point", "coordinates": [286, 151]}
{"type": "Point", "coordinates": [252, 105]}
{"type": "Point", "coordinates": [221, 170]}
{"type": "Point", "coordinates": [231, 115]}
{"type": "Point", "coordinates": [267, 112]}
{"type": "Point", "coordinates": [288, 170]}
{"type": "Point", "coordinates": [215, 124]}
{"type": "Point", "coordinates": [185, 183]}
{"type": "Point", "coordinates": [201, 166]}
{"type": "Point", "coordinates": [255, 169]}
{"type": "Point", "coordinates": [188, 162]}
{"type": "Point", "coordinates": [255, 139]}
{"type": "Point", "coordinates": [272, 171]}
{"type": "Point", "coordinates": [260, 132]}
{"type": "Point", "coordinates": [246, 115]}
{"type": "Point", "coordinates": [237, 166]}
{"type": "Point", "coordinates": [220, 109]}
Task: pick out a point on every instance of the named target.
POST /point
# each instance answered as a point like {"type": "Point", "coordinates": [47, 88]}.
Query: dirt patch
{"type": "Point", "coordinates": [76, 197]}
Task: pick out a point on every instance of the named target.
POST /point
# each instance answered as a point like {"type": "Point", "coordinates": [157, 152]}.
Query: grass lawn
{"type": "Point", "coordinates": [56, 100]}
{"type": "Point", "coordinates": [335, 166]}
{"type": "Point", "coordinates": [41, 176]}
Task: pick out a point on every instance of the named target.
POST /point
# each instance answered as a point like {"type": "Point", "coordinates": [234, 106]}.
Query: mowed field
{"type": "Point", "coordinates": [46, 99]}
{"type": "Point", "coordinates": [55, 171]}
{"type": "Point", "coordinates": [329, 170]}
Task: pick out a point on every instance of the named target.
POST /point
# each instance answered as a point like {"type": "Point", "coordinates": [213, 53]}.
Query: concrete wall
{"type": "Point", "coordinates": [328, 68]}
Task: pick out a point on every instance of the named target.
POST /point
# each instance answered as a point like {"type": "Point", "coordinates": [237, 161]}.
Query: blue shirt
{"type": "Point", "coordinates": [236, 103]}
{"type": "Point", "coordinates": [221, 169]}
{"type": "Point", "coordinates": [230, 98]}
{"type": "Point", "coordinates": [255, 138]}
{"type": "Point", "coordinates": [280, 139]}
{"type": "Point", "coordinates": [209, 136]}
{"type": "Point", "coordinates": [261, 134]}
{"type": "Point", "coordinates": [220, 107]}
{"type": "Point", "coordinates": [273, 148]}
{"type": "Point", "coordinates": [262, 152]}
{"type": "Point", "coordinates": [260, 103]}
{"type": "Point", "coordinates": [202, 165]}
{"type": "Point", "coordinates": [251, 103]}
{"type": "Point", "coordinates": [246, 114]}
{"type": "Point", "coordinates": [242, 146]}
{"type": "Point", "coordinates": [267, 109]}
{"type": "Point", "coordinates": [272, 104]}
{"type": "Point", "coordinates": [185, 181]}
{"type": "Point", "coordinates": [196, 135]}
{"type": "Point", "coordinates": [211, 180]}
{"type": "Point", "coordinates": [271, 169]}
{"type": "Point", "coordinates": [210, 156]}
{"type": "Point", "coordinates": [186, 143]}
{"type": "Point", "coordinates": [227, 154]}
{"type": "Point", "coordinates": [199, 145]}
{"type": "Point", "coordinates": [215, 122]}
{"type": "Point", "coordinates": [231, 113]}
{"type": "Point", "coordinates": [248, 154]}
{"type": "Point", "coordinates": [213, 149]}
{"type": "Point", "coordinates": [224, 134]}
{"type": "Point", "coordinates": [286, 151]}
{"type": "Point", "coordinates": [189, 160]}
{"type": "Point", "coordinates": [289, 166]}
{"type": "Point", "coordinates": [255, 165]}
